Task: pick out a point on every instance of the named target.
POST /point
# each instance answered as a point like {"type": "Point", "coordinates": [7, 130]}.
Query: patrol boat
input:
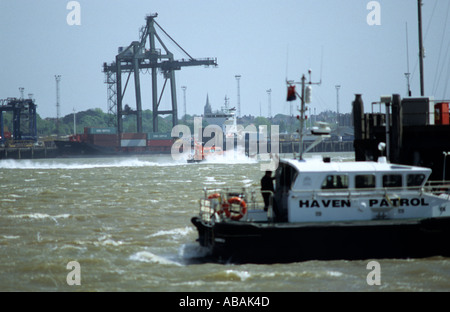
{"type": "Point", "coordinates": [324, 210]}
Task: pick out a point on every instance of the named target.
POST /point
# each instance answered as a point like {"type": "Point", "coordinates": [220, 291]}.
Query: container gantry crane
{"type": "Point", "coordinates": [24, 125]}
{"type": "Point", "coordinates": [140, 56]}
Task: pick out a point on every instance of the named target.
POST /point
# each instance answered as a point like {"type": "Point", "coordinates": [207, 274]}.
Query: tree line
{"type": "Point", "coordinates": [48, 127]}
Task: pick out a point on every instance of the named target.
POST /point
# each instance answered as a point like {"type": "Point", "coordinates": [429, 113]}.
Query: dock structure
{"type": "Point", "coordinates": [18, 131]}
{"type": "Point", "coordinates": [414, 131]}
{"type": "Point", "coordinates": [146, 54]}
{"type": "Point", "coordinates": [23, 120]}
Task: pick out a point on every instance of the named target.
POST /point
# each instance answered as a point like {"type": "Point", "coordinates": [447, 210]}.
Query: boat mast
{"type": "Point", "coordinates": [302, 119]}
{"type": "Point", "coordinates": [305, 98]}
{"type": "Point", "coordinates": [421, 50]}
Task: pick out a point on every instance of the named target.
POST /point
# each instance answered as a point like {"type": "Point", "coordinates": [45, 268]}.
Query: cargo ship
{"type": "Point", "coordinates": [106, 142]}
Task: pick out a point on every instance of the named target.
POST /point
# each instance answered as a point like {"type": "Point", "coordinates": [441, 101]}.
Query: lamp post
{"type": "Point", "coordinates": [337, 104]}
{"type": "Point", "coordinates": [184, 97]}
{"type": "Point", "coordinates": [238, 77]}
{"type": "Point", "coordinates": [74, 123]}
{"type": "Point", "coordinates": [58, 80]}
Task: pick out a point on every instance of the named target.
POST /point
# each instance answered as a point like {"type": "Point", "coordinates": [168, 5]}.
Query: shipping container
{"type": "Point", "coordinates": [109, 140]}
{"type": "Point", "coordinates": [441, 114]}
{"type": "Point", "coordinates": [160, 149]}
{"type": "Point", "coordinates": [159, 136]}
{"type": "Point", "coordinates": [134, 136]}
{"type": "Point", "coordinates": [159, 143]}
{"type": "Point", "coordinates": [93, 130]}
{"type": "Point", "coordinates": [132, 142]}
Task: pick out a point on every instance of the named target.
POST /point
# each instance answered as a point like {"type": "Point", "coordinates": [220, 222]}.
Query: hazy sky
{"type": "Point", "coordinates": [263, 41]}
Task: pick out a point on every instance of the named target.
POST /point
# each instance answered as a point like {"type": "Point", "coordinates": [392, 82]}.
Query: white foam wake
{"type": "Point", "coordinates": [149, 257]}
{"type": "Point", "coordinates": [81, 164]}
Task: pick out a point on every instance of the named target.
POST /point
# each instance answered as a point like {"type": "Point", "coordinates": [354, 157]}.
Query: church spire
{"type": "Point", "coordinates": [207, 109]}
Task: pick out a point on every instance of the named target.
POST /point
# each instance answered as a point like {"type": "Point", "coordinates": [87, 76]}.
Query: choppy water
{"type": "Point", "coordinates": [126, 221]}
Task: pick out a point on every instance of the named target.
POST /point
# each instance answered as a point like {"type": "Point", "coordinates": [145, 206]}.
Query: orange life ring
{"type": "Point", "coordinates": [242, 206]}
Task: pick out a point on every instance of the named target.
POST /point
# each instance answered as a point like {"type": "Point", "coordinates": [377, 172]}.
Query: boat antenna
{"type": "Point", "coordinates": [408, 73]}
{"type": "Point", "coordinates": [421, 49]}
{"type": "Point", "coordinates": [287, 61]}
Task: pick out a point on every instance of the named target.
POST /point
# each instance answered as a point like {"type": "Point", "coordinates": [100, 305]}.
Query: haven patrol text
{"type": "Point", "coordinates": [342, 203]}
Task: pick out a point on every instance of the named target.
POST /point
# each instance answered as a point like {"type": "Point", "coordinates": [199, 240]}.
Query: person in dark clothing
{"type": "Point", "coordinates": [267, 185]}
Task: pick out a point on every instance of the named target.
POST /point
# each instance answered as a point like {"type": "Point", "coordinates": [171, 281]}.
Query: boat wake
{"type": "Point", "coordinates": [231, 157]}
{"type": "Point", "coordinates": [83, 164]}
{"type": "Point", "coordinates": [188, 254]}
{"type": "Point", "coordinates": [149, 257]}
{"type": "Point", "coordinates": [193, 253]}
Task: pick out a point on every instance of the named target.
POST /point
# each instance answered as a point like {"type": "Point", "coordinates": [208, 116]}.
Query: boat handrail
{"type": "Point", "coordinates": [252, 196]}
{"type": "Point", "coordinates": [431, 187]}
{"type": "Point", "coordinates": [356, 192]}
{"type": "Point", "coordinates": [211, 205]}
{"type": "Point", "coordinates": [440, 183]}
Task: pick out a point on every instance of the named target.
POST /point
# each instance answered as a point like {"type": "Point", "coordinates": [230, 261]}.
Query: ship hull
{"type": "Point", "coordinates": [83, 149]}
{"type": "Point", "coordinates": [74, 149]}
{"type": "Point", "coordinates": [244, 242]}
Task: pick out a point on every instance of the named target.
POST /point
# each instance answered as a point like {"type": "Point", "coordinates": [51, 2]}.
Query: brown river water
{"type": "Point", "coordinates": [126, 222]}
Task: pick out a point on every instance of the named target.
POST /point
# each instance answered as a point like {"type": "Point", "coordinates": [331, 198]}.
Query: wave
{"type": "Point", "coordinates": [106, 240]}
{"type": "Point", "coordinates": [231, 157]}
{"type": "Point", "coordinates": [175, 233]}
{"type": "Point", "coordinates": [40, 216]}
{"type": "Point", "coordinates": [229, 275]}
{"type": "Point", "coordinates": [149, 257]}
{"type": "Point", "coordinates": [192, 251]}
{"type": "Point", "coordinates": [81, 164]}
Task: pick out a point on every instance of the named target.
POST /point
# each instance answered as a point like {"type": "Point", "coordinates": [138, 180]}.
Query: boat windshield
{"type": "Point", "coordinates": [415, 180]}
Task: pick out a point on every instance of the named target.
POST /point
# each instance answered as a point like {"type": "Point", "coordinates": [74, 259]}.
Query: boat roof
{"type": "Point", "coordinates": [318, 165]}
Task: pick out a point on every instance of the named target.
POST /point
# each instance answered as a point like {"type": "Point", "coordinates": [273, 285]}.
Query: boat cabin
{"type": "Point", "coordinates": [315, 174]}
{"type": "Point", "coordinates": [320, 190]}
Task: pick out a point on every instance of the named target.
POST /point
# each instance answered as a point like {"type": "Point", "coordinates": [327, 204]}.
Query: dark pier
{"type": "Point", "coordinates": [415, 131]}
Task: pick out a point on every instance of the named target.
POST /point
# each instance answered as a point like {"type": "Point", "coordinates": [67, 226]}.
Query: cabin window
{"type": "Point", "coordinates": [392, 180]}
{"type": "Point", "coordinates": [365, 181]}
{"type": "Point", "coordinates": [415, 179]}
{"type": "Point", "coordinates": [335, 182]}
